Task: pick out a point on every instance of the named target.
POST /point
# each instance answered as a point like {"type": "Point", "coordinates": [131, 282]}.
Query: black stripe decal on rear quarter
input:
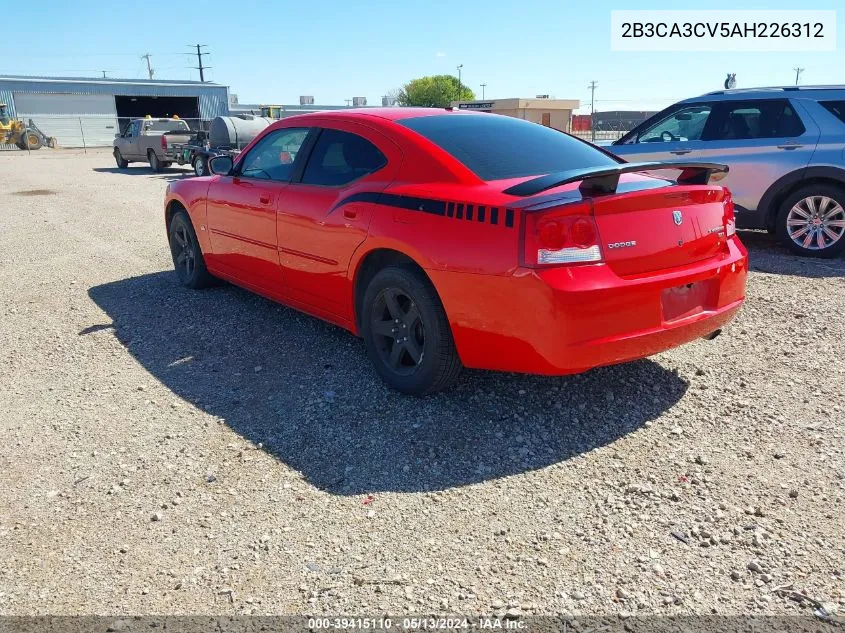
{"type": "Point", "coordinates": [428, 205]}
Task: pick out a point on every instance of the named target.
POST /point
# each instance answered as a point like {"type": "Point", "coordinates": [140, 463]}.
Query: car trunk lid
{"type": "Point", "coordinates": [662, 228]}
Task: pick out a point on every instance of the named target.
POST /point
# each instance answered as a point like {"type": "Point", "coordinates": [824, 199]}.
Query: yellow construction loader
{"type": "Point", "coordinates": [272, 111]}
{"type": "Point", "coordinates": [15, 132]}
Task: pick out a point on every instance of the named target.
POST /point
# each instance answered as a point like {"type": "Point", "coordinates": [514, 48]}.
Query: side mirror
{"type": "Point", "coordinates": [220, 165]}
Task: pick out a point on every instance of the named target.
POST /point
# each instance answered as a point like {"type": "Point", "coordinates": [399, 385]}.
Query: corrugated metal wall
{"type": "Point", "coordinates": [213, 99]}
{"type": "Point", "coordinates": [6, 97]}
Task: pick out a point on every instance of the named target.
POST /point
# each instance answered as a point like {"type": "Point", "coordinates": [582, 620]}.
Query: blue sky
{"type": "Point", "coordinates": [275, 51]}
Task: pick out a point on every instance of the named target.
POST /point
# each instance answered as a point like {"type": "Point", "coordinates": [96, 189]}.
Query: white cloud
{"type": "Point", "coordinates": [440, 54]}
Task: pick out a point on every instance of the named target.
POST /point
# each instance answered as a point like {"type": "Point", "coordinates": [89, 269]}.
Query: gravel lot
{"type": "Point", "coordinates": [175, 452]}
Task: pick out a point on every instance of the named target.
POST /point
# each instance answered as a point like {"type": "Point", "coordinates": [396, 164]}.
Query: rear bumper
{"type": "Point", "coordinates": [570, 319]}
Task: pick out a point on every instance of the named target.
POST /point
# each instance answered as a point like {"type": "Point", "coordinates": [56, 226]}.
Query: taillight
{"type": "Point", "coordinates": [163, 142]}
{"type": "Point", "coordinates": [729, 217]}
{"type": "Point", "coordinates": [559, 236]}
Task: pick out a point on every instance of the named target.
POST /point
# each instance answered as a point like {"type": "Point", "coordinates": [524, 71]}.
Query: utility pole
{"type": "Point", "coordinates": [348, 101]}
{"type": "Point", "coordinates": [200, 67]}
{"type": "Point", "coordinates": [483, 86]}
{"type": "Point", "coordinates": [459, 75]}
{"type": "Point", "coordinates": [104, 73]}
{"type": "Point", "coordinates": [798, 72]}
{"type": "Point", "coordinates": [150, 70]}
{"type": "Point", "coordinates": [592, 87]}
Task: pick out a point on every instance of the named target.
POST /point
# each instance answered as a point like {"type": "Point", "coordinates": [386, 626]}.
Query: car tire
{"type": "Point", "coordinates": [811, 221]}
{"type": "Point", "coordinates": [122, 163]}
{"type": "Point", "coordinates": [201, 165]}
{"type": "Point", "coordinates": [155, 163]}
{"type": "Point", "coordinates": [406, 332]}
{"type": "Point", "coordinates": [188, 260]}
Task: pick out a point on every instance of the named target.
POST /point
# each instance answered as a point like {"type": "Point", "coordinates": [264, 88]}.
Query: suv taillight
{"type": "Point", "coordinates": [163, 142]}
{"type": "Point", "coordinates": [729, 217]}
{"type": "Point", "coordinates": [560, 236]}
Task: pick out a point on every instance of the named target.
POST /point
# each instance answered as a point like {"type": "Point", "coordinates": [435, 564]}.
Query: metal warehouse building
{"type": "Point", "coordinates": [83, 111]}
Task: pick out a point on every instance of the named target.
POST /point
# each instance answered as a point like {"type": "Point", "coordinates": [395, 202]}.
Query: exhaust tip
{"type": "Point", "coordinates": [712, 335]}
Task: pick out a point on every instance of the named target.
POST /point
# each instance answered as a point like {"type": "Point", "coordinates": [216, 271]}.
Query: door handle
{"type": "Point", "coordinates": [678, 152]}
{"type": "Point", "coordinates": [789, 146]}
{"type": "Point", "coordinates": [264, 198]}
{"type": "Point", "coordinates": [350, 214]}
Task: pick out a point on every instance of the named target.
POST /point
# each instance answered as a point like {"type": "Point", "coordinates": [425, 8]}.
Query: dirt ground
{"type": "Point", "coordinates": [166, 451]}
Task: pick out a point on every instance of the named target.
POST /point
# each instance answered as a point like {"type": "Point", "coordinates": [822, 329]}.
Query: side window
{"type": "Point", "coordinates": [738, 120]}
{"type": "Point", "coordinates": [341, 157]}
{"type": "Point", "coordinates": [273, 156]}
{"type": "Point", "coordinates": [836, 108]}
{"type": "Point", "coordinates": [133, 129]}
{"type": "Point", "coordinates": [684, 124]}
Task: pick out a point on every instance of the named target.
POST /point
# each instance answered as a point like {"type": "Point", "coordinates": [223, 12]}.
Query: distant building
{"type": "Point", "coordinates": [287, 110]}
{"type": "Point", "coordinates": [554, 113]}
{"type": "Point", "coordinates": [388, 102]}
{"type": "Point", "coordinates": [359, 102]}
{"type": "Point", "coordinates": [306, 100]}
{"type": "Point", "coordinates": [97, 108]}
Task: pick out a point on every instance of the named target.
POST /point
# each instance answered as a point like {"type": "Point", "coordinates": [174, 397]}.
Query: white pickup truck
{"type": "Point", "coordinates": [148, 140]}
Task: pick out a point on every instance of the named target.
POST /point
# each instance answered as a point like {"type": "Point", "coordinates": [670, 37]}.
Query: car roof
{"type": "Point", "coordinates": [771, 92]}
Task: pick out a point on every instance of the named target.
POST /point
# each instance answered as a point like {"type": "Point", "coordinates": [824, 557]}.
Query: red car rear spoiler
{"type": "Point", "coordinates": [604, 180]}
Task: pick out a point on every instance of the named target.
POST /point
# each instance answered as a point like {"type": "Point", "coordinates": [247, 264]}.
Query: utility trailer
{"type": "Point", "coordinates": [227, 136]}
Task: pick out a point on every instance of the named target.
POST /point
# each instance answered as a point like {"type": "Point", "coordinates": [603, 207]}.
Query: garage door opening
{"type": "Point", "coordinates": [129, 108]}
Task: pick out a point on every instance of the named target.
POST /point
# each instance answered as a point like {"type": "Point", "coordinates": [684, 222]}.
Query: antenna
{"type": "Point", "coordinates": [798, 72]}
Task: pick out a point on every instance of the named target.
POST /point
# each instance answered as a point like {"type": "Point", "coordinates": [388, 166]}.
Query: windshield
{"type": "Point", "coordinates": [166, 126]}
{"type": "Point", "coordinates": [496, 147]}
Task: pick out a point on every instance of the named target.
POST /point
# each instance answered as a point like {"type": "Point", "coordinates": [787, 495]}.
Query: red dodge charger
{"type": "Point", "coordinates": [451, 239]}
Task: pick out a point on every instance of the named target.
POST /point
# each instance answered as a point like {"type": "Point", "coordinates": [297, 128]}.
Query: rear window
{"type": "Point", "coordinates": [837, 108]}
{"type": "Point", "coordinates": [496, 147]}
{"type": "Point", "coordinates": [166, 126]}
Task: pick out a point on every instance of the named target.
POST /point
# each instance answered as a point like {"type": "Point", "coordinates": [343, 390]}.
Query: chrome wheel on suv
{"type": "Point", "coordinates": [812, 221]}
{"type": "Point", "coordinates": [816, 222]}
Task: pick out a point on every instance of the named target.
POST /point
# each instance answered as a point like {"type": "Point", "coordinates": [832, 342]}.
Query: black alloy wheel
{"type": "Point", "coordinates": [187, 255]}
{"type": "Point", "coordinates": [396, 323]}
{"type": "Point", "coordinates": [408, 337]}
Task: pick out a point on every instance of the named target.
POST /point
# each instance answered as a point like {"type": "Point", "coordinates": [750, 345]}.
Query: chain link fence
{"type": "Point", "coordinates": [605, 136]}
{"type": "Point", "coordinates": [69, 131]}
